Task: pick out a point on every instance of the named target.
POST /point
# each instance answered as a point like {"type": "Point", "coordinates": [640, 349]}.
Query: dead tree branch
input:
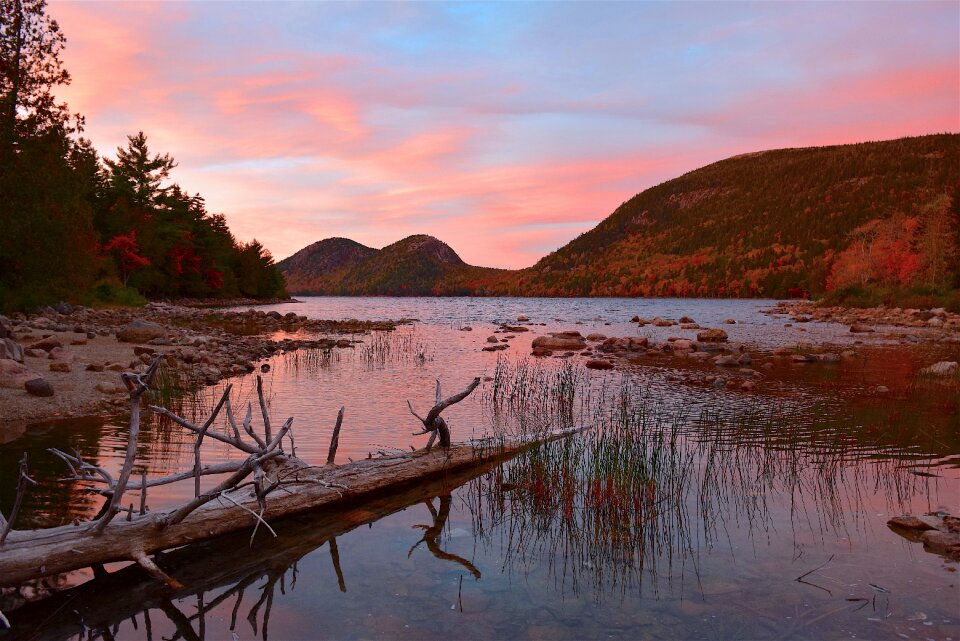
{"type": "Point", "coordinates": [136, 385]}
{"type": "Point", "coordinates": [23, 481]}
{"type": "Point", "coordinates": [434, 422]}
{"type": "Point", "coordinates": [335, 439]}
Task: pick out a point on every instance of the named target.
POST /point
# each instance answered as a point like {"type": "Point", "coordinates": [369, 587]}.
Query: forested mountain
{"type": "Point", "coordinates": [874, 221]}
{"type": "Point", "coordinates": [415, 266]}
{"type": "Point", "coordinates": [877, 214]}
{"type": "Point", "coordinates": [81, 228]}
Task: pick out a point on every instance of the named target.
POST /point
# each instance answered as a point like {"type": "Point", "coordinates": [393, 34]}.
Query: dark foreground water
{"type": "Point", "coordinates": [687, 512]}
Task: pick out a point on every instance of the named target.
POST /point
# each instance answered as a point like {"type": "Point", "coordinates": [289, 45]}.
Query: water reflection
{"type": "Point", "coordinates": [647, 511]}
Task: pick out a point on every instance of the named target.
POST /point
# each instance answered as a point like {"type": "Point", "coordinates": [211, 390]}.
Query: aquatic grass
{"type": "Point", "coordinates": [642, 493]}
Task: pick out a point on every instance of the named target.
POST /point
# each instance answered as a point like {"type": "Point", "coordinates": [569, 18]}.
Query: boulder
{"type": "Point", "coordinates": [110, 388]}
{"type": "Point", "coordinates": [522, 319]}
{"type": "Point", "coordinates": [943, 368]}
{"type": "Point", "coordinates": [598, 364]}
{"type": "Point", "coordinates": [47, 344]}
{"type": "Point", "coordinates": [560, 340]}
{"type": "Point", "coordinates": [712, 336]}
{"type": "Point", "coordinates": [13, 374]}
{"type": "Point", "coordinates": [492, 339]}
{"type": "Point", "coordinates": [11, 349]}
{"type": "Point", "coordinates": [38, 387]}
{"type": "Point", "coordinates": [687, 320]}
{"type": "Point", "coordinates": [596, 338]}
{"type": "Point", "coordinates": [859, 328]}
{"type": "Point", "coordinates": [683, 344]}
{"type": "Point", "coordinates": [140, 331]}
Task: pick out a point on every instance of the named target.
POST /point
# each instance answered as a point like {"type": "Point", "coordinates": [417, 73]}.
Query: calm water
{"type": "Point", "coordinates": [701, 533]}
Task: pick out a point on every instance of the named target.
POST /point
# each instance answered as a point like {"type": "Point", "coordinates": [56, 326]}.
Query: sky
{"type": "Point", "coordinates": [504, 129]}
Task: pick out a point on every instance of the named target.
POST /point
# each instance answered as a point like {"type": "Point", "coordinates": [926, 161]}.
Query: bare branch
{"type": "Point", "coordinates": [442, 405]}
{"type": "Point", "coordinates": [147, 564]}
{"type": "Point", "coordinates": [201, 434]}
{"type": "Point", "coordinates": [263, 408]}
{"type": "Point", "coordinates": [23, 479]}
{"type": "Point", "coordinates": [247, 420]}
{"type": "Point", "coordinates": [182, 422]}
{"type": "Point", "coordinates": [335, 439]}
{"type": "Point", "coordinates": [137, 384]}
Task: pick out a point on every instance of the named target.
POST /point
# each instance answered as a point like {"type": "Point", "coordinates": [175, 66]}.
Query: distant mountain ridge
{"type": "Point", "coordinates": [418, 265]}
{"type": "Point", "coordinates": [771, 223]}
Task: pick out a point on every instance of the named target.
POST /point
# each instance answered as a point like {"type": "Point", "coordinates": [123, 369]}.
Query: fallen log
{"type": "Point", "coordinates": [219, 570]}
{"type": "Point", "coordinates": [235, 503]}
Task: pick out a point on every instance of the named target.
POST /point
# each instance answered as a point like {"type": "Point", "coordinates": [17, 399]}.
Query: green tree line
{"type": "Point", "coordinates": [81, 228]}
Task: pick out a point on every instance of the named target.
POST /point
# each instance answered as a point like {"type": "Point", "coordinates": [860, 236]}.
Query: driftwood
{"type": "Point", "coordinates": [222, 570]}
{"type": "Point", "coordinates": [241, 499]}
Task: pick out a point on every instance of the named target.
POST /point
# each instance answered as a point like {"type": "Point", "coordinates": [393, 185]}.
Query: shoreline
{"type": "Point", "coordinates": [81, 354]}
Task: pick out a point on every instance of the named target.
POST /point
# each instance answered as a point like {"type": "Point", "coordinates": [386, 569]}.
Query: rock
{"type": "Point", "coordinates": [858, 328]}
{"type": "Point", "coordinates": [730, 321]}
{"type": "Point", "coordinates": [943, 368]}
{"type": "Point", "coordinates": [522, 319]}
{"type": "Point", "coordinates": [596, 338]}
{"type": "Point", "coordinates": [275, 315]}
{"type": "Point", "coordinates": [10, 349]}
{"type": "Point", "coordinates": [140, 350]}
{"type": "Point", "coordinates": [47, 344]}
{"type": "Point", "coordinates": [803, 358]}
{"type": "Point", "coordinates": [936, 321]}
{"type": "Point", "coordinates": [748, 386]}
{"type": "Point", "coordinates": [881, 389]}
{"type": "Point", "coordinates": [115, 367]}
{"type": "Point", "coordinates": [909, 522]}
{"type": "Point", "coordinates": [95, 367]}
{"type": "Point", "coordinates": [496, 348]}
{"type": "Point", "coordinates": [492, 339]}
{"type": "Point", "coordinates": [466, 328]}
{"type": "Point", "coordinates": [712, 336]}
{"type": "Point", "coordinates": [35, 353]}
{"type": "Point", "coordinates": [38, 387]}
{"type": "Point", "coordinates": [110, 388]}
{"type": "Point", "coordinates": [635, 319]}
{"type": "Point", "coordinates": [598, 364]}
{"type": "Point", "coordinates": [542, 351]}
{"type": "Point", "coordinates": [59, 354]}
{"type": "Point", "coordinates": [13, 374]}
{"type": "Point", "coordinates": [60, 366]}
{"type": "Point", "coordinates": [687, 320]}
{"type": "Point", "coordinates": [265, 368]}
{"type": "Point", "coordinates": [944, 543]}
{"type": "Point", "coordinates": [745, 359]}
{"type": "Point", "coordinates": [689, 326]}
{"type": "Point", "coordinates": [660, 322]}
{"type": "Point", "coordinates": [683, 344]}
{"type": "Point", "coordinates": [140, 331]}
{"type": "Point", "coordinates": [829, 358]}
{"type": "Point", "coordinates": [560, 340]}
{"type": "Point", "coordinates": [725, 361]}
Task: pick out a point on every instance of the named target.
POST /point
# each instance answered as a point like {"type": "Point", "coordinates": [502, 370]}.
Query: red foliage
{"type": "Point", "coordinates": [128, 253]}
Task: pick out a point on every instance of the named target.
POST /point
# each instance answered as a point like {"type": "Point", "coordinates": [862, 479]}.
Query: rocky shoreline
{"type": "Point", "coordinates": [64, 362]}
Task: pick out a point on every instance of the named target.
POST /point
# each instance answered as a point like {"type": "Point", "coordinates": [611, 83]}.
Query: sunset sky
{"type": "Point", "coordinates": [503, 129]}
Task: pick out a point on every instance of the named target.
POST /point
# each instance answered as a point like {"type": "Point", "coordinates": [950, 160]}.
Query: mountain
{"type": "Point", "coordinates": [418, 265]}
{"type": "Point", "coordinates": [770, 223]}
{"type": "Point", "coordinates": [320, 266]}
{"type": "Point", "coordinates": [869, 217]}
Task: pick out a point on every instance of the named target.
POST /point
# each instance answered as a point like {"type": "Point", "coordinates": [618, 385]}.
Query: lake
{"type": "Point", "coordinates": [689, 510]}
